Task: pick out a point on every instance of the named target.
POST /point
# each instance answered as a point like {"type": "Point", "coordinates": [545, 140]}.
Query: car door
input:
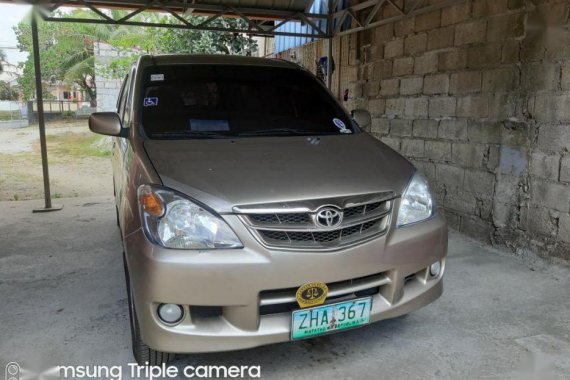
{"type": "Point", "coordinates": [117, 150]}
{"type": "Point", "coordinates": [124, 144]}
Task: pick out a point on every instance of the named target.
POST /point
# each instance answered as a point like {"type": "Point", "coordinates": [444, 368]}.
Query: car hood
{"type": "Point", "coordinates": [222, 173]}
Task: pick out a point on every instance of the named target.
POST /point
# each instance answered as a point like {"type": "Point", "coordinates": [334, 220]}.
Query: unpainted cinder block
{"type": "Point", "coordinates": [470, 32]}
{"type": "Point", "coordinates": [400, 127]}
{"type": "Point", "coordinates": [550, 194]}
{"type": "Point", "coordinates": [394, 48]}
{"type": "Point", "coordinates": [453, 60]}
{"type": "Point", "coordinates": [439, 151]}
{"type": "Point", "coordinates": [468, 155]}
{"type": "Point", "coordinates": [455, 130]}
{"type": "Point", "coordinates": [480, 182]}
{"type": "Point", "coordinates": [474, 106]}
{"type": "Point", "coordinates": [412, 85]}
{"type": "Point", "coordinates": [416, 108]}
{"type": "Point", "coordinates": [413, 148]}
{"type": "Point", "coordinates": [441, 38]}
{"type": "Point", "coordinates": [415, 44]}
{"type": "Point", "coordinates": [442, 106]}
{"type": "Point", "coordinates": [389, 87]}
{"type": "Point", "coordinates": [456, 13]}
{"type": "Point", "coordinates": [425, 128]}
{"type": "Point", "coordinates": [403, 66]}
{"type": "Point", "coordinates": [426, 64]}
{"type": "Point", "coordinates": [545, 165]}
{"type": "Point", "coordinates": [465, 82]}
{"type": "Point", "coordinates": [436, 84]}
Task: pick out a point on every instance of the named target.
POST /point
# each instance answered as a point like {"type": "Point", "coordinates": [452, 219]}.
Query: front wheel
{"type": "Point", "coordinates": [144, 355]}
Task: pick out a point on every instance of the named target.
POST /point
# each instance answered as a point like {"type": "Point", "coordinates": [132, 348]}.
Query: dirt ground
{"type": "Point", "coordinates": [79, 162]}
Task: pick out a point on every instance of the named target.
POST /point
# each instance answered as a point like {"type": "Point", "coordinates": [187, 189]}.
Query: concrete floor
{"type": "Point", "coordinates": [63, 303]}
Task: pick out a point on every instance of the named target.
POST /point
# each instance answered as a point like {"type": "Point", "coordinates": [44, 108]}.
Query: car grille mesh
{"type": "Point", "coordinates": [353, 211]}
{"type": "Point", "coordinates": [319, 237]}
{"type": "Point", "coordinates": [300, 229]}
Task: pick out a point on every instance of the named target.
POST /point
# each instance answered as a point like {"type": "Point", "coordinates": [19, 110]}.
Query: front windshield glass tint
{"type": "Point", "coordinates": [213, 101]}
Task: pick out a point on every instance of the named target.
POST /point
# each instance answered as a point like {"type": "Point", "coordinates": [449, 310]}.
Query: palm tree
{"type": "Point", "coordinates": [78, 67]}
{"type": "Point", "coordinates": [78, 41]}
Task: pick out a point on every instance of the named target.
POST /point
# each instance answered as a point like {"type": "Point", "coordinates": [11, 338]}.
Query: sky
{"type": "Point", "coordinates": [11, 16]}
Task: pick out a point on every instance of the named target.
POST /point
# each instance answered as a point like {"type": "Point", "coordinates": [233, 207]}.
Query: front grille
{"type": "Point", "coordinates": [290, 228]}
{"type": "Point", "coordinates": [353, 211]}
{"type": "Point", "coordinates": [324, 237]}
{"type": "Point", "coordinates": [279, 218]}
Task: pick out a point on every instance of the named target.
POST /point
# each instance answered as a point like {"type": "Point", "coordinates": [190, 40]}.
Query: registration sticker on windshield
{"type": "Point", "coordinates": [207, 125]}
{"type": "Point", "coordinates": [150, 102]}
{"type": "Point", "coordinates": [341, 126]}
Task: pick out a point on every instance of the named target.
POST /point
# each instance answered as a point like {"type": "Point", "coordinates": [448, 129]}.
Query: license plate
{"type": "Point", "coordinates": [307, 323]}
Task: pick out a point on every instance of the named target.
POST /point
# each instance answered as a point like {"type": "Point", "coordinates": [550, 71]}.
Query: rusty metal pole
{"type": "Point", "coordinates": [41, 119]}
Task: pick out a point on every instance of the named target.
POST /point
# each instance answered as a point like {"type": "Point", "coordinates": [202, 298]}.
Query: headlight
{"type": "Point", "coordinates": [173, 221]}
{"type": "Point", "coordinates": [417, 203]}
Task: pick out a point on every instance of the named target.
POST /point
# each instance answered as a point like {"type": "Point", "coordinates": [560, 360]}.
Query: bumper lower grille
{"type": "Point", "coordinates": [297, 225]}
{"type": "Point", "coordinates": [283, 300]}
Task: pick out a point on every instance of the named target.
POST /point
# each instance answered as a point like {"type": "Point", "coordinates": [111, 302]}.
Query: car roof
{"type": "Point", "coordinates": [213, 59]}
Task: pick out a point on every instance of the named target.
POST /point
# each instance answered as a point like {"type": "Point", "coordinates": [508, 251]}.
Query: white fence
{"type": "Point", "coordinates": [12, 106]}
{"type": "Point", "coordinates": [60, 106]}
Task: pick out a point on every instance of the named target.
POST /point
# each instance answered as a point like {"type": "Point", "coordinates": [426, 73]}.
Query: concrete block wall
{"type": "Point", "coordinates": [477, 96]}
{"type": "Point", "coordinates": [108, 87]}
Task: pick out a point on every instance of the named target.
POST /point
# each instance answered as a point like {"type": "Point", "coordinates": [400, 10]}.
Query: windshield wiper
{"type": "Point", "coordinates": [191, 134]}
{"type": "Point", "coordinates": [280, 132]}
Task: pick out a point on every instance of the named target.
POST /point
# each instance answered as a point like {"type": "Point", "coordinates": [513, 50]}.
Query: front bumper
{"type": "Point", "coordinates": [240, 282]}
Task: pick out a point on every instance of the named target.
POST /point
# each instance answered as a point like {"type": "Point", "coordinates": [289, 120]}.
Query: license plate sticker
{"type": "Point", "coordinates": [307, 323]}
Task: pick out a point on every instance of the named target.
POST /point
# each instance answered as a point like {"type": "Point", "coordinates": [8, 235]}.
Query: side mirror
{"type": "Point", "coordinates": [106, 123]}
{"type": "Point", "coordinates": [362, 118]}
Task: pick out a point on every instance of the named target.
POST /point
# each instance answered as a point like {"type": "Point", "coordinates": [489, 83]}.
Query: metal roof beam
{"type": "Point", "coordinates": [175, 6]}
{"type": "Point", "coordinates": [178, 10]}
{"type": "Point", "coordinates": [365, 12]}
{"type": "Point", "coordinates": [261, 32]}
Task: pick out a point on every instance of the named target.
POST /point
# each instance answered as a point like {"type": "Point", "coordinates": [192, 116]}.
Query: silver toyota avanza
{"type": "Point", "coordinates": [254, 209]}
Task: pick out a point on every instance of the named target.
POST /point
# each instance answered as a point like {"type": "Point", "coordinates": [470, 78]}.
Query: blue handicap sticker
{"type": "Point", "coordinates": [340, 125]}
{"type": "Point", "coordinates": [150, 102]}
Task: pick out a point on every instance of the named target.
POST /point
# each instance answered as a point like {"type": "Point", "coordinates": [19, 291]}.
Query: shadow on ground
{"type": "Point", "coordinates": [63, 296]}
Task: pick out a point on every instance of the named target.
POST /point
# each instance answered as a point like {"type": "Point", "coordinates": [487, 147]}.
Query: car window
{"type": "Point", "coordinates": [128, 102]}
{"type": "Point", "coordinates": [122, 96]}
{"type": "Point", "coordinates": [187, 101]}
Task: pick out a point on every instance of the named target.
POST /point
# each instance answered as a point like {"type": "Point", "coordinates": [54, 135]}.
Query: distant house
{"type": "Point", "coordinates": [66, 92]}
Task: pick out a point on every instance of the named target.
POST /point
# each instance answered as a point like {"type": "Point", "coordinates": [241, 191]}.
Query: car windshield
{"type": "Point", "coordinates": [221, 101]}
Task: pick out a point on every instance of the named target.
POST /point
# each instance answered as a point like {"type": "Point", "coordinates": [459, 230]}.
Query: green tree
{"type": "Point", "coordinates": [134, 41]}
{"type": "Point", "coordinates": [66, 53]}
{"type": "Point", "coordinates": [7, 92]}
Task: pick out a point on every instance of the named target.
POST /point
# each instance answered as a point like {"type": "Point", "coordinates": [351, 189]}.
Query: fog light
{"type": "Point", "coordinates": [435, 268]}
{"type": "Point", "coordinates": [170, 313]}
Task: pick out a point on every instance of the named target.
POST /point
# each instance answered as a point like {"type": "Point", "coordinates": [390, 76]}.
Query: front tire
{"type": "Point", "coordinates": [144, 355]}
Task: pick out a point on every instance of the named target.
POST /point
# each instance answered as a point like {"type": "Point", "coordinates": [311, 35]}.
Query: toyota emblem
{"type": "Point", "coordinates": [329, 217]}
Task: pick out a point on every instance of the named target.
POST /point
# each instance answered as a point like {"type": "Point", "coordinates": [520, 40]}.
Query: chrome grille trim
{"type": "Point", "coordinates": [312, 226]}
{"type": "Point", "coordinates": [338, 289]}
{"type": "Point", "coordinates": [312, 205]}
{"type": "Point", "coordinates": [365, 217]}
